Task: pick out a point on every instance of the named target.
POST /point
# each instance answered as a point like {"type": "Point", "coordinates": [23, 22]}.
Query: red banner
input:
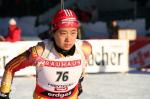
{"type": "Point", "coordinates": [140, 53]}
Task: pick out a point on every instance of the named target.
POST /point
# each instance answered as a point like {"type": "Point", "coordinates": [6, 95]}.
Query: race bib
{"type": "Point", "coordinates": [59, 75]}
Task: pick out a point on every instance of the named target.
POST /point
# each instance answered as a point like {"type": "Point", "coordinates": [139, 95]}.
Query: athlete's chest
{"type": "Point", "coordinates": [54, 71]}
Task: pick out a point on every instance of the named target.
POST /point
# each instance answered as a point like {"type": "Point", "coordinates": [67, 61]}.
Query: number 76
{"type": "Point", "coordinates": [62, 75]}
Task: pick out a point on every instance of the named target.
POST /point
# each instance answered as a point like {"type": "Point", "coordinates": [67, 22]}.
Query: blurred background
{"type": "Point", "coordinates": [34, 16]}
{"type": "Point", "coordinates": [119, 31]}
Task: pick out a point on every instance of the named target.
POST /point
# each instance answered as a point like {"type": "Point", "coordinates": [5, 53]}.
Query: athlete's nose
{"type": "Point", "coordinates": [68, 37]}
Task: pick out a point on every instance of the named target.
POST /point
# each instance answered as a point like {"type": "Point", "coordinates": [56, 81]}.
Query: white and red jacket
{"type": "Point", "coordinates": [57, 76]}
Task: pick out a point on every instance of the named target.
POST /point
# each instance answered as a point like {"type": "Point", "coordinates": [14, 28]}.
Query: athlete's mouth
{"type": "Point", "coordinates": [67, 45]}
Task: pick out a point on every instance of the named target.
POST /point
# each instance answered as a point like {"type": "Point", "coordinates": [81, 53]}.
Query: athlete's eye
{"type": "Point", "coordinates": [73, 33]}
{"type": "Point", "coordinates": [63, 33]}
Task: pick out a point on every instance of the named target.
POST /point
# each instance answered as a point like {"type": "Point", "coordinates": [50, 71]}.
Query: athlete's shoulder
{"type": "Point", "coordinates": [38, 49]}
{"type": "Point", "coordinates": [83, 44]}
{"type": "Point", "coordinates": [86, 48]}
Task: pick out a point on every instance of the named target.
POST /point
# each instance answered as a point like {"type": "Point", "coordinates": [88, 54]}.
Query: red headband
{"type": "Point", "coordinates": [65, 18]}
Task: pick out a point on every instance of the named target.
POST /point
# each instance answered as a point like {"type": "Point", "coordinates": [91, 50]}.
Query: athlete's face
{"type": "Point", "coordinates": [65, 37]}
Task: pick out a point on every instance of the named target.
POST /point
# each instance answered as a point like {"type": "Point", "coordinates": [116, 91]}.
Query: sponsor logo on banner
{"type": "Point", "coordinates": [108, 56]}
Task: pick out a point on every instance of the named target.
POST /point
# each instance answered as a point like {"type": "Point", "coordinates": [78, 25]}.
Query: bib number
{"type": "Point", "coordinates": [63, 76]}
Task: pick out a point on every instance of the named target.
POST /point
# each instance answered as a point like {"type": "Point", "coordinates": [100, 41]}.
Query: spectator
{"type": "Point", "coordinates": [14, 32]}
{"type": "Point", "coordinates": [113, 29]}
{"type": "Point", "coordinates": [94, 13]}
{"type": "Point", "coordinates": [83, 15]}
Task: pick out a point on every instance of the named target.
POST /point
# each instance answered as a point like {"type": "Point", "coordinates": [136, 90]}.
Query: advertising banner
{"type": "Point", "coordinates": [107, 56]}
{"type": "Point", "coordinates": [10, 50]}
{"type": "Point", "coordinates": [140, 54]}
